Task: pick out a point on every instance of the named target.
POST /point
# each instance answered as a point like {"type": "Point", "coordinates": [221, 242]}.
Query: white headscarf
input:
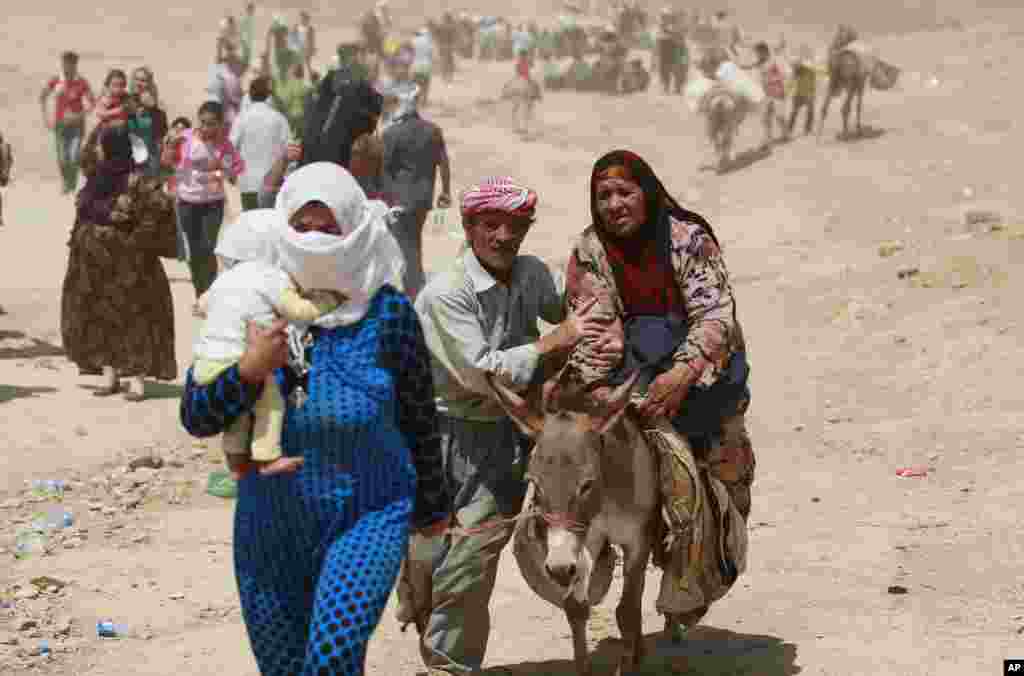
{"type": "Point", "coordinates": [357, 263]}
{"type": "Point", "coordinates": [253, 237]}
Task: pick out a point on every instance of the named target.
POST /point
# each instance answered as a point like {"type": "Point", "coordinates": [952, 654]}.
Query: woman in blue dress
{"type": "Point", "coordinates": [317, 552]}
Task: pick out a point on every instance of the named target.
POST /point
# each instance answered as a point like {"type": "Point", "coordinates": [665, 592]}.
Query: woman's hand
{"type": "Point", "coordinates": [666, 393]}
{"type": "Point", "coordinates": [294, 152]}
{"type": "Point", "coordinates": [267, 349]}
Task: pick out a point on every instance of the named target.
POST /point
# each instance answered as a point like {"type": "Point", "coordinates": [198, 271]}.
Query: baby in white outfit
{"type": "Point", "coordinates": [252, 289]}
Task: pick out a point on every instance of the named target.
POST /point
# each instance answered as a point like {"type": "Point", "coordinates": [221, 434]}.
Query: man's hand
{"type": "Point", "coordinates": [267, 350]}
{"type": "Point", "coordinates": [294, 152]}
{"type": "Point", "coordinates": [666, 393]}
{"type": "Point", "coordinates": [586, 321]}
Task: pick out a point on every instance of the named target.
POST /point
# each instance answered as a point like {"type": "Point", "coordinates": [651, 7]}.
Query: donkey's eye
{"type": "Point", "coordinates": [586, 487]}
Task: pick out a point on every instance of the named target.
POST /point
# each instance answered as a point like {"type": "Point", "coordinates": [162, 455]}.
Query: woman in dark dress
{"type": "Point", "coordinates": [117, 316]}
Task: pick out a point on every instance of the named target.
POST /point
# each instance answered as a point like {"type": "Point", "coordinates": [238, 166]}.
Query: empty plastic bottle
{"type": "Point", "coordinates": [108, 629]}
{"type": "Point", "coordinates": [54, 518]}
{"type": "Point", "coordinates": [48, 488]}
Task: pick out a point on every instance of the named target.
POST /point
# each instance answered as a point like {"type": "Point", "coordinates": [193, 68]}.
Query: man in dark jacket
{"type": "Point", "coordinates": [344, 107]}
{"type": "Point", "coordinates": [414, 150]}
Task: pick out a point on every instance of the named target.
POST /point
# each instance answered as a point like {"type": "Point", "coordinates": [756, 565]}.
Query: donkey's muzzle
{"type": "Point", "coordinates": [562, 574]}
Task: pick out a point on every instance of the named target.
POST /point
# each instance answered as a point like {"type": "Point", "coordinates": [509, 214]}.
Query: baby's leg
{"type": "Point", "coordinates": [268, 425]}
{"type": "Point", "coordinates": [235, 440]}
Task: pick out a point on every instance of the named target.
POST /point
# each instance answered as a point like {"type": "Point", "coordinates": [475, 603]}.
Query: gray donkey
{"type": "Point", "coordinates": [594, 483]}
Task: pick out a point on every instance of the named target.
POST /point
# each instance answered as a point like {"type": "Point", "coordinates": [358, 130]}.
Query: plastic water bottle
{"type": "Point", "coordinates": [54, 518]}
{"type": "Point", "coordinates": [48, 488]}
{"type": "Point", "coordinates": [44, 648]}
{"type": "Point", "coordinates": [108, 629]}
{"type": "Point", "coordinates": [29, 542]}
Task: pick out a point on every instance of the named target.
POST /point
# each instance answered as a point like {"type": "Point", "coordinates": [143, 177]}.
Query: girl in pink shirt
{"type": "Point", "coordinates": [111, 104]}
{"type": "Point", "coordinates": [202, 159]}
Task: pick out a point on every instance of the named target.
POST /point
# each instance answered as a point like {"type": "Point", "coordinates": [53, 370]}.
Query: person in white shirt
{"type": "Point", "coordinates": [261, 136]}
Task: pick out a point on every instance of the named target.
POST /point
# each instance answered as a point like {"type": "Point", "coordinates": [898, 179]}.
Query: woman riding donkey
{"type": "Point", "coordinates": [657, 270]}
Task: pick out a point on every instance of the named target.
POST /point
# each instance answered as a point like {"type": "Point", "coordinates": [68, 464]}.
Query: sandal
{"type": "Point", "coordinates": [136, 390]}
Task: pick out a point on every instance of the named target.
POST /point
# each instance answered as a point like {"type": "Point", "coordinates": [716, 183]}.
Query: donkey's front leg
{"type": "Point", "coordinates": [628, 613]}
{"type": "Point", "coordinates": [577, 614]}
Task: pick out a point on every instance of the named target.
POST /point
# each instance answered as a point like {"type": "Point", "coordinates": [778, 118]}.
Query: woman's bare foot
{"type": "Point", "coordinates": [283, 465]}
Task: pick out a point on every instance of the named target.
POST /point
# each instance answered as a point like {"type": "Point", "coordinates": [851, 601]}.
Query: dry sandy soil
{"type": "Point", "coordinates": [857, 372]}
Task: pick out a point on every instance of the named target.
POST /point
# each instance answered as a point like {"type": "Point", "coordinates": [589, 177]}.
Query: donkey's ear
{"type": "Point", "coordinates": [522, 411]}
{"type": "Point", "coordinates": [615, 406]}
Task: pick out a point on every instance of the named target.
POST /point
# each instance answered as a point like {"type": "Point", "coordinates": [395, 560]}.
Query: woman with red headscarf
{"type": "Point", "coordinates": [658, 270]}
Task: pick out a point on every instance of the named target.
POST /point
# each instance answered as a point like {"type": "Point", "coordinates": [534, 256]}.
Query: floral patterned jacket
{"type": "Point", "coordinates": [714, 334]}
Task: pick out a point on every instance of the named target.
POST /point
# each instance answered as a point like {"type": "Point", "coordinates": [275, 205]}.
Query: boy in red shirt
{"type": "Point", "coordinates": [74, 100]}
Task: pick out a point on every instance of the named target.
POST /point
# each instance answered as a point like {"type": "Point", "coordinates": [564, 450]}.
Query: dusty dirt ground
{"type": "Point", "coordinates": [859, 370]}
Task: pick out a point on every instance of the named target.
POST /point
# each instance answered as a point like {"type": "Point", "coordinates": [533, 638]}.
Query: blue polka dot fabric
{"type": "Point", "coordinates": [317, 552]}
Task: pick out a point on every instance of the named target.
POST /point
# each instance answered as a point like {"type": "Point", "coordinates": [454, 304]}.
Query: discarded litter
{"type": "Point", "coordinates": [44, 648]}
{"type": "Point", "coordinates": [54, 518]}
{"type": "Point", "coordinates": [29, 542]}
{"type": "Point", "coordinates": [48, 488]}
{"type": "Point", "coordinates": [897, 589]}
{"type": "Point", "coordinates": [107, 629]}
{"type": "Point", "coordinates": [909, 472]}
{"type": "Point", "coordinates": [222, 485]}
{"type": "Point", "coordinates": [47, 582]}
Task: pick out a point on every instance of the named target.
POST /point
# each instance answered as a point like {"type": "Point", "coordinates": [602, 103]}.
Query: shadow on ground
{"type": "Point", "coordinates": [866, 133]}
{"type": "Point", "coordinates": [705, 651]}
{"type": "Point", "coordinates": [740, 161]}
{"type": "Point", "coordinates": [154, 390]}
{"type": "Point", "coordinates": [164, 390]}
{"type": "Point", "coordinates": [12, 392]}
{"type": "Point", "coordinates": [17, 345]}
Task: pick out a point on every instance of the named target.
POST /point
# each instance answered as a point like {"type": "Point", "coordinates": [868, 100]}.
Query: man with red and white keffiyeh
{"type": "Point", "coordinates": [480, 319]}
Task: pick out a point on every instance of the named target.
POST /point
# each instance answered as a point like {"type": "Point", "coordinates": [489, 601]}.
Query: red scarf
{"type": "Point", "coordinates": [647, 284]}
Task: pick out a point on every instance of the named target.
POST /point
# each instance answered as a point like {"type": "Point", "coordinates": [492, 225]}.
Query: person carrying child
{"type": "Point", "coordinates": [252, 289]}
{"type": "Point", "coordinates": [111, 108]}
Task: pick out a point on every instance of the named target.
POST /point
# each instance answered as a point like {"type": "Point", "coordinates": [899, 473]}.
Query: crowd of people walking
{"type": "Point", "coordinates": [356, 396]}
